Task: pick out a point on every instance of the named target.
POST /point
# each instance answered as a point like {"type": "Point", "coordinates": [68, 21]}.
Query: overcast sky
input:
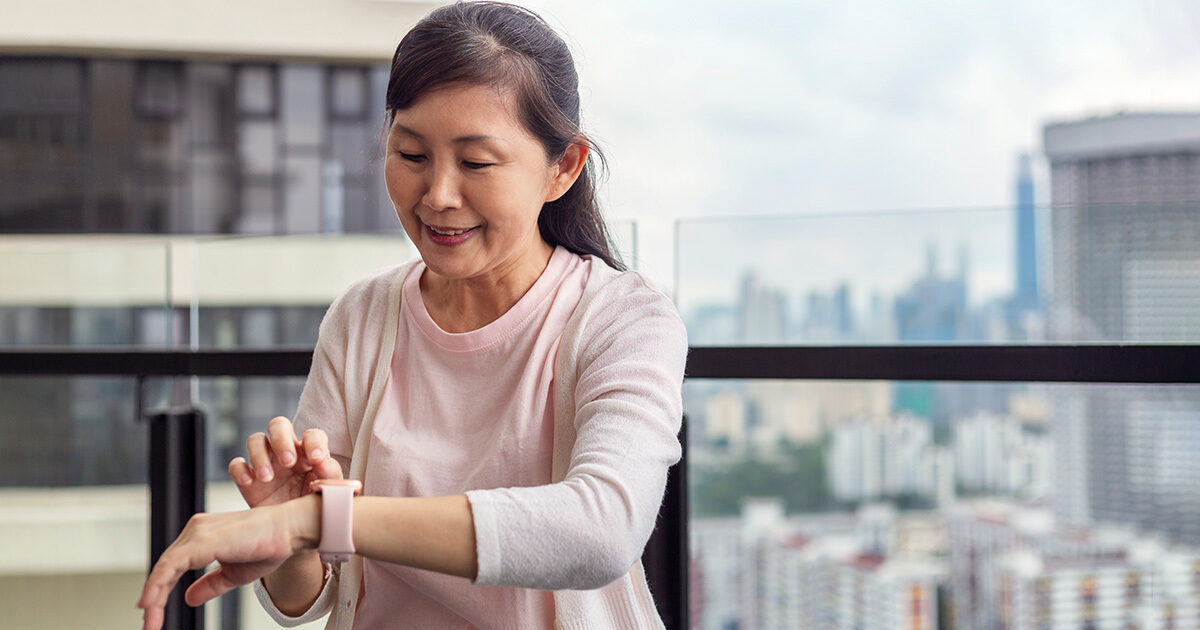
{"type": "Point", "coordinates": [767, 107]}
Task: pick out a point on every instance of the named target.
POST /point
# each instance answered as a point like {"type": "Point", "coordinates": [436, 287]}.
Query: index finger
{"type": "Point", "coordinates": [162, 579]}
{"type": "Point", "coordinates": [282, 438]}
{"type": "Point", "coordinates": [316, 445]}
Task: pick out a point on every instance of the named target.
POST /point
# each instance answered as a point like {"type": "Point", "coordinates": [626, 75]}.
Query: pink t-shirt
{"type": "Point", "coordinates": [467, 411]}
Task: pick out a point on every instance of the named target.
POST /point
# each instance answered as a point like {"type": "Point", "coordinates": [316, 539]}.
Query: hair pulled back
{"type": "Point", "coordinates": [512, 48]}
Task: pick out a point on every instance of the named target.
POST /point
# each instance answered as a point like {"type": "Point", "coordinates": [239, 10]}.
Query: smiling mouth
{"type": "Point", "coordinates": [449, 232]}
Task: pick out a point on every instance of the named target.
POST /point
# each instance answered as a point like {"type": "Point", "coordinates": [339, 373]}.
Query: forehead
{"type": "Point", "coordinates": [458, 111]}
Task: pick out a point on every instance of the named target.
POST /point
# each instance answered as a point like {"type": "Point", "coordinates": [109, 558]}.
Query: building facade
{"type": "Point", "coordinates": [1125, 194]}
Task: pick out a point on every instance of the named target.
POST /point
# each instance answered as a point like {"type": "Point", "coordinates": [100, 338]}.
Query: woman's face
{"type": "Point", "coordinates": [468, 181]}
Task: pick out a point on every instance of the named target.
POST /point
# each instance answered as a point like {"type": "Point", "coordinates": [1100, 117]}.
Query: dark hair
{"type": "Point", "coordinates": [494, 43]}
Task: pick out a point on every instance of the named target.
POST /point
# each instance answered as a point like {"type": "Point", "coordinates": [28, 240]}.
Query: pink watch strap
{"type": "Point", "coordinates": [337, 514]}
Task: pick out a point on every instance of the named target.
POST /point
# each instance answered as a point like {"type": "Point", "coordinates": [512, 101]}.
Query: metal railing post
{"type": "Point", "coordinates": [665, 558]}
{"type": "Point", "coordinates": [176, 493]}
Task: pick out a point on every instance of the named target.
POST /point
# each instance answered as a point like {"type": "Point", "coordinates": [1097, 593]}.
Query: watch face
{"type": "Point", "coordinates": [316, 484]}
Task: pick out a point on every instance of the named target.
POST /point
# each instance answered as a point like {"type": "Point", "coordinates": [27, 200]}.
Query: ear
{"type": "Point", "coordinates": [567, 169]}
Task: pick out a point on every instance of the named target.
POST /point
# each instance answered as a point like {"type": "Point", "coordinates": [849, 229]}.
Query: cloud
{"type": "Point", "coordinates": [777, 107]}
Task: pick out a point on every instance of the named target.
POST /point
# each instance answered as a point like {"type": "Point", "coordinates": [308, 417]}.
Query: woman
{"type": "Point", "coordinates": [510, 401]}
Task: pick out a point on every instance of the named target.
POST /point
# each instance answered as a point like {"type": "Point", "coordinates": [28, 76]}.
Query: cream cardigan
{"type": "Point", "coordinates": [581, 536]}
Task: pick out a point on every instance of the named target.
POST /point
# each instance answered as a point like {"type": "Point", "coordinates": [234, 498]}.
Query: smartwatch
{"type": "Point", "coordinates": [337, 513]}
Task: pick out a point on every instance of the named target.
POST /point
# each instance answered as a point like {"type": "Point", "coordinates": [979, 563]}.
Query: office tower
{"type": "Point", "coordinates": [762, 311]}
{"type": "Point", "coordinates": [932, 310]}
{"type": "Point", "coordinates": [1125, 223]}
{"type": "Point", "coordinates": [1027, 271]}
{"type": "Point", "coordinates": [1026, 300]}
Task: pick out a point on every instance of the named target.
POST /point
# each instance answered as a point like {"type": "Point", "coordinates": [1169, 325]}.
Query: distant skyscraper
{"type": "Point", "coordinates": [1126, 250]}
{"type": "Point", "coordinates": [1026, 294]}
{"type": "Point", "coordinates": [932, 310]}
{"type": "Point", "coordinates": [762, 311]}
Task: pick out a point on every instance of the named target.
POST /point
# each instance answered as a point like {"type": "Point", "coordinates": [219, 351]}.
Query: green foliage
{"type": "Point", "coordinates": [797, 476]}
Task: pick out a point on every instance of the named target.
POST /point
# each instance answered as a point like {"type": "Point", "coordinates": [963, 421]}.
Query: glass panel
{"type": "Point", "coordinates": [1111, 273]}
{"type": "Point", "coordinates": [829, 504]}
{"type": "Point", "coordinates": [273, 292]}
{"type": "Point", "coordinates": [234, 409]}
{"type": "Point", "coordinates": [624, 236]}
{"type": "Point", "coordinates": [80, 290]}
{"type": "Point", "coordinates": [73, 501]}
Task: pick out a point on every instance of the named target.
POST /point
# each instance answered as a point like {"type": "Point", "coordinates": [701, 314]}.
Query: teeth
{"type": "Point", "coordinates": [451, 233]}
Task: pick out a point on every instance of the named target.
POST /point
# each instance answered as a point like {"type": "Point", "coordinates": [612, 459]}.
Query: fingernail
{"type": "Point", "coordinates": [264, 474]}
{"type": "Point", "coordinates": [288, 459]}
{"type": "Point", "coordinates": [245, 480]}
{"type": "Point", "coordinates": [317, 454]}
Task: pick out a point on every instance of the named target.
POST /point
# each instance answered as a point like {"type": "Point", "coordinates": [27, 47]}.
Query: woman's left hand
{"type": "Point", "coordinates": [247, 544]}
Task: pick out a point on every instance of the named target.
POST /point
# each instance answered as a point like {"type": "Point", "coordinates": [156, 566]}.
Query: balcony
{"type": "Point", "coordinates": [226, 325]}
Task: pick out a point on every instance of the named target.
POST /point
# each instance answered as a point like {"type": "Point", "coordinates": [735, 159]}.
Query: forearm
{"type": "Point", "coordinates": [433, 533]}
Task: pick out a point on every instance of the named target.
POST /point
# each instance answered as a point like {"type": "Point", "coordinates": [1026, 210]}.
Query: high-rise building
{"type": "Point", "coordinates": [1026, 295]}
{"type": "Point", "coordinates": [994, 454]}
{"type": "Point", "coordinates": [932, 310]}
{"type": "Point", "coordinates": [1026, 301]}
{"type": "Point", "coordinates": [762, 311]}
{"type": "Point", "coordinates": [870, 459]}
{"type": "Point", "coordinates": [1125, 194]}
{"type": "Point", "coordinates": [1132, 590]}
{"type": "Point", "coordinates": [766, 571]}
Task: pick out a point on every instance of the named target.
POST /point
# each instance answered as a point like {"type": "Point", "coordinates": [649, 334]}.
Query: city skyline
{"type": "Point", "coordinates": [772, 107]}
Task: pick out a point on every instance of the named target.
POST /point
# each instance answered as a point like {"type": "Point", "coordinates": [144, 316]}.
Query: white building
{"type": "Point", "coordinates": [999, 550]}
{"type": "Point", "coordinates": [870, 459]}
{"type": "Point", "coordinates": [993, 454]}
{"type": "Point", "coordinates": [872, 570]}
{"type": "Point", "coordinates": [1120, 592]}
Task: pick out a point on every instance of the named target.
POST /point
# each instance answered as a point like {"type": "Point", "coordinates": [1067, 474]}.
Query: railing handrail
{"type": "Point", "coordinates": [1080, 363]}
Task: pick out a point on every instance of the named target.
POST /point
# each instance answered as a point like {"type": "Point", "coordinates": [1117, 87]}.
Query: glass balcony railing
{"type": "Point", "coordinates": [792, 479]}
{"type": "Point", "coordinates": [942, 503]}
{"type": "Point", "coordinates": [1048, 274]}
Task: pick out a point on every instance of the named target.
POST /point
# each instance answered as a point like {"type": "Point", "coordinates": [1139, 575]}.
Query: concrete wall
{"type": "Point", "coordinates": [77, 558]}
{"type": "Point", "coordinates": [300, 29]}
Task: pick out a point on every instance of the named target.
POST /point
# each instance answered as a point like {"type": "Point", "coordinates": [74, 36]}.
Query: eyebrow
{"type": "Point", "coordinates": [458, 140]}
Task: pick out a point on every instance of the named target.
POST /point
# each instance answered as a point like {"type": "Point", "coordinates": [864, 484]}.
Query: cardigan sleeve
{"type": "Point", "coordinates": [587, 530]}
{"type": "Point", "coordinates": [320, 607]}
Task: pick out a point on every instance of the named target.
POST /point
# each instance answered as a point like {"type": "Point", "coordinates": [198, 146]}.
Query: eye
{"type": "Point", "coordinates": [475, 166]}
{"type": "Point", "coordinates": [411, 157]}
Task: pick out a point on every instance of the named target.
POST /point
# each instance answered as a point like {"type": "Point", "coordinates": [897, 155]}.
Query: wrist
{"type": "Point", "coordinates": [305, 522]}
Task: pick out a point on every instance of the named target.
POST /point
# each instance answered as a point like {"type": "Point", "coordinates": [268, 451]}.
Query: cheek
{"type": "Point", "coordinates": [401, 185]}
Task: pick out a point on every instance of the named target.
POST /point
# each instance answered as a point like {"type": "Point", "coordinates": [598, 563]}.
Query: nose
{"type": "Point", "coordinates": [441, 188]}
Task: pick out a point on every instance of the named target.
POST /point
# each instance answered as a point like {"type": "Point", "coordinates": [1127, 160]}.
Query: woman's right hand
{"type": "Point", "coordinates": [280, 467]}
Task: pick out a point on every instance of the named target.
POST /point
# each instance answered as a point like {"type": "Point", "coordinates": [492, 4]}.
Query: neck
{"type": "Point", "coordinates": [464, 304]}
